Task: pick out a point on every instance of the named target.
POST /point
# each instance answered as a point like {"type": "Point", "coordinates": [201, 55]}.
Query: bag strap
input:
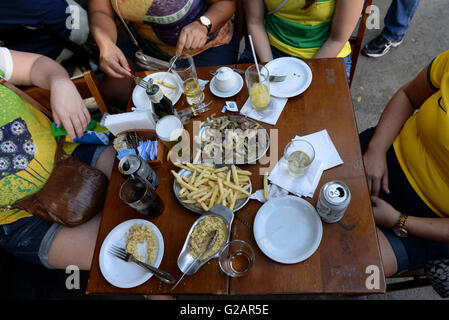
{"type": "Point", "coordinates": [26, 97]}
{"type": "Point", "coordinates": [279, 7]}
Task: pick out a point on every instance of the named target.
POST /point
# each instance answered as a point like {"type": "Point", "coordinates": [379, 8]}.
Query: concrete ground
{"type": "Point", "coordinates": [376, 80]}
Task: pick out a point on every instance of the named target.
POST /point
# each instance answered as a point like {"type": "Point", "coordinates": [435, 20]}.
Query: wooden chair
{"type": "Point", "coordinates": [88, 86]}
{"type": "Point", "coordinates": [357, 39]}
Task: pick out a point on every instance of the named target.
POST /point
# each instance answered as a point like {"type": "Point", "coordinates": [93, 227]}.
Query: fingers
{"type": "Point", "coordinates": [375, 187]}
{"type": "Point", "coordinates": [181, 43]}
{"type": "Point", "coordinates": [385, 187]}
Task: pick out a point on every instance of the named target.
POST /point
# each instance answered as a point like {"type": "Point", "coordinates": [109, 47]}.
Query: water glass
{"type": "Point", "coordinates": [236, 258]}
{"type": "Point", "coordinates": [258, 87]}
{"type": "Point", "coordinates": [184, 68]}
{"type": "Point", "coordinates": [298, 156]}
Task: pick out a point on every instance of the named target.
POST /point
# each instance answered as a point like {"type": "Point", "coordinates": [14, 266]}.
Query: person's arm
{"type": "Point", "coordinates": [436, 229]}
{"type": "Point", "coordinates": [194, 35]}
{"type": "Point", "coordinates": [346, 16]}
{"type": "Point", "coordinates": [67, 106]}
{"type": "Point", "coordinates": [104, 31]}
{"type": "Point", "coordinates": [402, 105]}
{"type": "Point", "coordinates": [254, 15]}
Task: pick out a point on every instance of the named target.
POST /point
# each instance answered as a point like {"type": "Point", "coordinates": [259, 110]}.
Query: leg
{"type": "Point", "coordinates": [397, 19]}
{"type": "Point", "coordinates": [75, 246]}
{"type": "Point", "coordinates": [105, 161]}
{"type": "Point", "coordinates": [388, 256]}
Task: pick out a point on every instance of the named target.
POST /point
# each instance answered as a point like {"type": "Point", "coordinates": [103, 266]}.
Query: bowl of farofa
{"type": "Point", "coordinates": [218, 218]}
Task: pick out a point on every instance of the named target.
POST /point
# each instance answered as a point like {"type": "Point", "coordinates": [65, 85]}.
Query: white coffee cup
{"type": "Point", "coordinates": [225, 79]}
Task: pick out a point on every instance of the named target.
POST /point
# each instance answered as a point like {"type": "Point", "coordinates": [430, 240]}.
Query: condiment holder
{"type": "Point", "coordinates": [186, 259]}
{"type": "Point", "coordinates": [225, 80]}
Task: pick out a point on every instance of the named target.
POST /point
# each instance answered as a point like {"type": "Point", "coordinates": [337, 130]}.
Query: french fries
{"type": "Point", "coordinates": [166, 84]}
{"type": "Point", "coordinates": [265, 186]}
{"type": "Point", "coordinates": [208, 186]}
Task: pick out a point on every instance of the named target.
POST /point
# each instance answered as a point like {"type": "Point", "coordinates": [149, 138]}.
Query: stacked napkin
{"type": "Point", "coordinates": [270, 116]}
{"type": "Point", "coordinates": [326, 157]}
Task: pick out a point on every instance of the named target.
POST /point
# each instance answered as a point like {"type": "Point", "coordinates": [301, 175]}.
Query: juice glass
{"type": "Point", "coordinates": [258, 87]}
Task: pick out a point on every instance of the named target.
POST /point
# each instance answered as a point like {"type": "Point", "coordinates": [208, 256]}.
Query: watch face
{"type": "Point", "coordinates": [399, 232]}
{"type": "Point", "coordinates": [205, 20]}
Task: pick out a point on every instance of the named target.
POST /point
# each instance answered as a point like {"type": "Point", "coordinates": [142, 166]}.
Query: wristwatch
{"type": "Point", "coordinates": [205, 21]}
{"type": "Point", "coordinates": [399, 228]}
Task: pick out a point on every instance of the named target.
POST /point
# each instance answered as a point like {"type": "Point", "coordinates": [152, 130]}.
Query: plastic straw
{"type": "Point", "coordinates": [254, 55]}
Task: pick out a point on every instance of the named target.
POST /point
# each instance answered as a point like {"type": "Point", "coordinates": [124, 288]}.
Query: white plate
{"type": "Point", "coordinates": [126, 274]}
{"type": "Point", "coordinates": [233, 92]}
{"type": "Point", "coordinates": [140, 97]}
{"type": "Point", "coordinates": [299, 76]}
{"type": "Point", "coordinates": [288, 229]}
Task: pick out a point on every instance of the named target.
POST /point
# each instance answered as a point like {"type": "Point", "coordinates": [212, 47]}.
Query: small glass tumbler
{"type": "Point", "coordinates": [236, 258]}
{"type": "Point", "coordinates": [139, 195]}
{"type": "Point", "coordinates": [184, 68]}
{"type": "Point", "coordinates": [298, 156]}
{"type": "Point", "coordinates": [258, 87]}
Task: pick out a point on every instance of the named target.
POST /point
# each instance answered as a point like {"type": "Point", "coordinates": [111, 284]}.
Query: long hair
{"type": "Point", "coordinates": [309, 4]}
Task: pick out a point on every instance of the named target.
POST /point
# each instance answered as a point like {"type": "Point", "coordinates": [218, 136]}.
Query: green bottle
{"type": "Point", "coordinates": [162, 105]}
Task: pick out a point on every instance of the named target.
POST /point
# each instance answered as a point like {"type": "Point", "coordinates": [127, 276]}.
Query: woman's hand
{"type": "Point", "coordinates": [384, 214]}
{"type": "Point", "coordinates": [376, 171]}
{"type": "Point", "coordinates": [113, 62]}
{"type": "Point", "coordinates": [193, 36]}
{"type": "Point", "coordinates": [68, 108]}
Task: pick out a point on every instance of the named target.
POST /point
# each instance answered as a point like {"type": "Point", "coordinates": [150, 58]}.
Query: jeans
{"type": "Point", "coordinates": [397, 20]}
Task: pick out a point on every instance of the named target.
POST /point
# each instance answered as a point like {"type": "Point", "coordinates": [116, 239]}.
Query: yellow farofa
{"type": "Point", "coordinates": [140, 233]}
{"type": "Point", "coordinates": [200, 236]}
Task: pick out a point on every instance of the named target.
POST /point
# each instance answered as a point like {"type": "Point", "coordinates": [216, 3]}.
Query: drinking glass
{"type": "Point", "coordinates": [258, 87]}
{"type": "Point", "coordinates": [236, 258]}
{"type": "Point", "coordinates": [169, 130]}
{"type": "Point", "coordinates": [184, 68]}
{"type": "Point", "coordinates": [139, 195]}
{"type": "Point", "coordinates": [298, 155]}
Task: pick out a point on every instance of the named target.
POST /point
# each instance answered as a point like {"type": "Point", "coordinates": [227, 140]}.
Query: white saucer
{"type": "Point", "coordinates": [230, 93]}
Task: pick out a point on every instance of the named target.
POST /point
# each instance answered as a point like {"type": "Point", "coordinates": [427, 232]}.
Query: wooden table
{"type": "Point", "coordinates": [347, 248]}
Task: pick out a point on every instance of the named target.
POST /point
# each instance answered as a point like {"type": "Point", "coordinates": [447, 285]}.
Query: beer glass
{"type": "Point", "coordinates": [184, 68]}
{"type": "Point", "coordinates": [298, 155]}
{"type": "Point", "coordinates": [236, 258]}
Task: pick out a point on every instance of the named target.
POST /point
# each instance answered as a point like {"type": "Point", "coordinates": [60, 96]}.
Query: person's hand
{"type": "Point", "coordinates": [68, 108]}
{"type": "Point", "coordinates": [376, 171]}
{"type": "Point", "coordinates": [384, 214]}
{"type": "Point", "coordinates": [113, 62]}
{"type": "Point", "coordinates": [193, 36]}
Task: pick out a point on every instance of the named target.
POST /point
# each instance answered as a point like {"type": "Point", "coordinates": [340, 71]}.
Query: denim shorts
{"type": "Point", "coordinates": [31, 238]}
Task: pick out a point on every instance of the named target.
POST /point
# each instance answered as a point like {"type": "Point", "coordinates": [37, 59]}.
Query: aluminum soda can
{"type": "Point", "coordinates": [132, 165]}
{"type": "Point", "coordinates": [333, 201]}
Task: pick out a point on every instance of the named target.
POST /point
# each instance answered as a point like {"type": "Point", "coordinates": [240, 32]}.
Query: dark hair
{"type": "Point", "coordinates": [309, 4]}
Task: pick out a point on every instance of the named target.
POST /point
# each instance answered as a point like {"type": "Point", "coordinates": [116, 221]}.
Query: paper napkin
{"type": "Point", "coordinates": [270, 116]}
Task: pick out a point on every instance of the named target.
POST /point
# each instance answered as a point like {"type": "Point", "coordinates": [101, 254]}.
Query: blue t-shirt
{"type": "Point", "coordinates": [30, 13]}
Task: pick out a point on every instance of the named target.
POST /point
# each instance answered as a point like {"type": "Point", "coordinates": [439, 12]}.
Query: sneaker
{"type": "Point", "coordinates": [379, 46]}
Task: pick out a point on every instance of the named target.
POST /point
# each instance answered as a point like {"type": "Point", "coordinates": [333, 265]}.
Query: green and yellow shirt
{"type": "Point", "coordinates": [299, 32]}
{"type": "Point", "coordinates": [422, 146]}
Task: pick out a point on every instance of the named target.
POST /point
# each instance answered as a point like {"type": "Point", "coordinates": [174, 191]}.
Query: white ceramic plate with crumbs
{"type": "Point", "coordinates": [127, 274]}
{"type": "Point", "coordinates": [140, 97]}
{"type": "Point", "coordinates": [299, 76]}
{"type": "Point", "coordinates": [288, 229]}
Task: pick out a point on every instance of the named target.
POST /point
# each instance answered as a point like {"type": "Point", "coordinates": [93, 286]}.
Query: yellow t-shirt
{"type": "Point", "coordinates": [422, 146]}
{"type": "Point", "coordinates": [300, 32]}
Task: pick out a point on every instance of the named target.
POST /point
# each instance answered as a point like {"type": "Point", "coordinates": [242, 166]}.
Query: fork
{"type": "Point", "coordinates": [121, 254]}
{"type": "Point", "coordinates": [142, 83]}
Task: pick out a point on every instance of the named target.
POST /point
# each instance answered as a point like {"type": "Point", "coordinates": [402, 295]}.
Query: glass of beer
{"type": "Point", "coordinates": [258, 87]}
{"type": "Point", "coordinates": [236, 258]}
{"type": "Point", "coordinates": [184, 68]}
{"type": "Point", "coordinates": [169, 130]}
{"type": "Point", "coordinates": [139, 195]}
{"type": "Point", "coordinates": [298, 155]}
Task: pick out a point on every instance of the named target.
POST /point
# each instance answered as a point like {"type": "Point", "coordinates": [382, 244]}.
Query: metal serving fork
{"type": "Point", "coordinates": [121, 253]}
